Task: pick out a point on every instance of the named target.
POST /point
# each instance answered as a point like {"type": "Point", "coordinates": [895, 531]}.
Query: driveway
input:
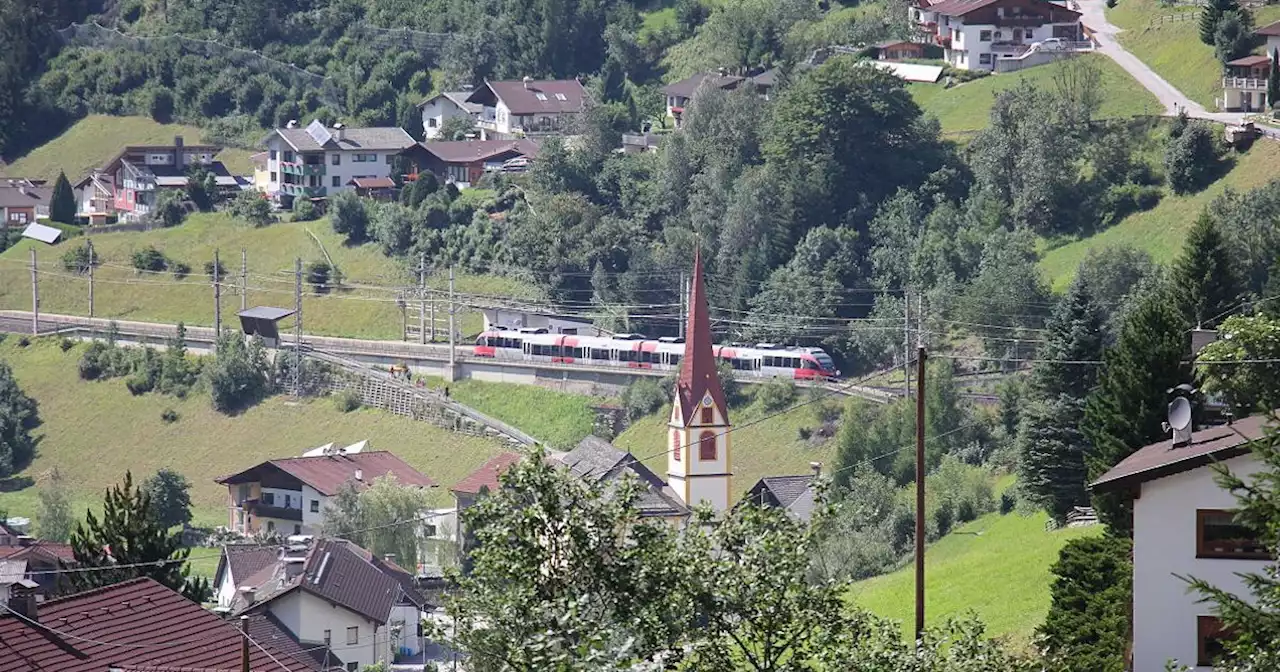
{"type": "Point", "coordinates": [1172, 99]}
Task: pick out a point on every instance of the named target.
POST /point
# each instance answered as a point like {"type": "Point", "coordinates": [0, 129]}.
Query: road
{"type": "Point", "coordinates": [1173, 100]}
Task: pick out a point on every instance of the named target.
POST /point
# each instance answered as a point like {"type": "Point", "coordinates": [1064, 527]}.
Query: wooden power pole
{"type": "Point", "coordinates": [217, 294]}
{"type": "Point", "coordinates": [244, 280]}
{"type": "Point", "coordinates": [35, 296]}
{"type": "Point", "coordinates": [91, 262]}
{"type": "Point", "coordinates": [297, 323]}
{"type": "Point", "coordinates": [920, 360]}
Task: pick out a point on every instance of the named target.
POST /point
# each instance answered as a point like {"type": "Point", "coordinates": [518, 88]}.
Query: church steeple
{"type": "Point", "coordinates": [698, 464]}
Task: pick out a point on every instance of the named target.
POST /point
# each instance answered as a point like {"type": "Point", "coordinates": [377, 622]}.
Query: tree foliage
{"type": "Point", "coordinates": [1190, 158]}
{"type": "Point", "coordinates": [1204, 280]}
{"type": "Point", "coordinates": [1247, 388]}
{"type": "Point", "coordinates": [62, 203]}
{"type": "Point", "coordinates": [54, 520]}
{"type": "Point", "coordinates": [383, 518]}
{"type": "Point", "coordinates": [170, 495]}
{"type": "Point", "coordinates": [19, 415]}
{"type": "Point", "coordinates": [1087, 627]}
{"type": "Point", "coordinates": [238, 376]}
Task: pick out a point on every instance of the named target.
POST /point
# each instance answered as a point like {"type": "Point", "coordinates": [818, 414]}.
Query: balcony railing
{"type": "Point", "coordinates": [1009, 48]}
{"type": "Point", "coordinates": [304, 169]}
{"type": "Point", "coordinates": [301, 190]}
{"type": "Point", "coordinates": [488, 118]}
{"type": "Point", "coordinates": [1247, 83]}
{"type": "Point", "coordinates": [1022, 21]}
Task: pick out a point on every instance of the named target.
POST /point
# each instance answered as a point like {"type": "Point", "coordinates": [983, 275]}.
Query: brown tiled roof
{"type": "Point", "coordinates": [1165, 459]}
{"type": "Point", "coordinates": [522, 98]}
{"type": "Point", "coordinates": [1250, 61]}
{"type": "Point", "coordinates": [25, 197]}
{"type": "Point", "coordinates": [341, 573]}
{"type": "Point", "coordinates": [244, 561]}
{"type": "Point", "coordinates": [686, 87]}
{"type": "Point", "coordinates": [1269, 29]}
{"type": "Point", "coordinates": [962, 7]}
{"type": "Point", "coordinates": [487, 475]}
{"type": "Point", "coordinates": [698, 375]}
{"type": "Point", "coordinates": [89, 631]}
{"type": "Point", "coordinates": [327, 473]}
{"type": "Point", "coordinates": [50, 549]}
{"type": "Point", "coordinates": [373, 182]}
{"type": "Point", "coordinates": [463, 151]}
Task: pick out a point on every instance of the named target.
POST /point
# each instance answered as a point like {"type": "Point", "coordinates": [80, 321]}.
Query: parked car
{"type": "Point", "coordinates": [1052, 44]}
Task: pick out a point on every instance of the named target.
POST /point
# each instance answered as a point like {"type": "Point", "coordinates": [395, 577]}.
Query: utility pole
{"type": "Point", "coordinates": [906, 344]}
{"type": "Point", "coordinates": [453, 331]}
{"type": "Point", "coordinates": [920, 359]}
{"type": "Point", "coordinates": [244, 644]}
{"type": "Point", "coordinates": [217, 294]}
{"type": "Point", "coordinates": [422, 299]}
{"type": "Point", "coordinates": [297, 322]}
{"type": "Point", "coordinates": [91, 261]}
{"type": "Point", "coordinates": [244, 279]}
{"type": "Point", "coordinates": [35, 296]}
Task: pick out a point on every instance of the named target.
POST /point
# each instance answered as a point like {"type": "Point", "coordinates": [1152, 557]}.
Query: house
{"type": "Point", "coordinates": [134, 177]}
{"type": "Point", "coordinates": [23, 202]}
{"type": "Point", "coordinates": [1183, 526]}
{"type": "Point", "coordinates": [261, 180]}
{"type": "Point", "coordinates": [141, 625]}
{"type": "Point", "coordinates": [898, 50]}
{"type": "Point", "coordinates": [95, 197]}
{"type": "Point", "coordinates": [40, 562]}
{"type": "Point", "coordinates": [975, 34]}
{"type": "Point", "coordinates": [464, 162]}
{"type": "Point", "coordinates": [319, 161]}
{"type": "Point", "coordinates": [596, 461]}
{"type": "Point", "coordinates": [797, 495]}
{"type": "Point", "coordinates": [517, 109]}
{"type": "Point", "coordinates": [377, 188]}
{"type": "Point", "coordinates": [443, 106]}
{"type": "Point", "coordinates": [330, 593]}
{"type": "Point", "coordinates": [1244, 80]}
{"type": "Point", "coordinates": [483, 480]}
{"type": "Point", "coordinates": [678, 94]}
{"type": "Point", "coordinates": [291, 495]}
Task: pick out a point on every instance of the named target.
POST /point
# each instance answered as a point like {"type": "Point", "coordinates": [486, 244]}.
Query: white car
{"type": "Point", "coordinates": [1052, 44]}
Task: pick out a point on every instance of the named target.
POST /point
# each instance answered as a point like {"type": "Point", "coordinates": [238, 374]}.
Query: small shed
{"type": "Point", "coordinates": [262, 321]}
{"type": "Point", "coordinates": [897, 50]}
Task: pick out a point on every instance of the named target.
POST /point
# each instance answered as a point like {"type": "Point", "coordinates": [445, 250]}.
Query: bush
{"type": "Point", "coordinates": [776, 394]}
{"type": "Point", "coordinates": [349, 217]}
{"type": "Point", "coordinates": [209, 268]}
{"type": "Point", "coordinates": [66, 344]}
{"type": "Point", "coordinates": [169, 209]}
{"type": "Point", "coordinates": [1121, 200]}
{"type": "Point", "coordinates": [804, 433]}
{"type": "Point", "coordinates": [252, 207]}
{"type": "Point", "coordinates": [347, 401]}
{"type": "Point", "coordinates": [1190, 158]}
{"type": "Point", "coordinates": [180, 269]}
{"type": "Point", "coordinates": [1007, 503]}
{"type": "Point", "coordinates": [318, 276]}
{"type": "Point", "coordinates": [304, 210]}
{"type": "Point", "coordinates": [169, 416]}
{"type": "Point", "coordinates": [1087, 627]}
{"type": "Point", "coordinates": [91, 364]}
{"type": "Point", "coordinates": [944, 517]}
{"type": "Point", "coordinates": [643, 397]}
{"type": "Point", "coordinates": [24, 342]}
{"type": "Point", "coordinates": [237, 378]}
{"type": "Point", "coordinates": [76, 260]}
{"type": "Point", "coordinates": [149, 259]}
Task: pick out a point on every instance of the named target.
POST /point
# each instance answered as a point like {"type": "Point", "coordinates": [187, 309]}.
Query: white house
{"type": "Point", "coordinates": [517, 109]}
{"type": "Point", "coordinates": [1183, 526]}
{"type": "Point", "coordinates": [290, 496]}
{"type": "Point", "coordinates": [318, 161]}
{"type": "Point", "coordinates": [443, 106]}
{"type": "Point", "coordinates": [1244, 80]}
{"type": "Point", "coordinates": [974, 34]}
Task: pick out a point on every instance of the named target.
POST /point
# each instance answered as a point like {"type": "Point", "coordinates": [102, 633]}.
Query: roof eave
{"type": "Point", "coordinates": [1126, 481]}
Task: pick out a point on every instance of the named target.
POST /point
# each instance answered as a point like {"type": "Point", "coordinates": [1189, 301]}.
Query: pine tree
{"type": "Point", "coordinates": [1051, 446]}
{"type": "Point", "coordinates": [1125, 410]}
{"type": "Point", "coordinates": [1273, 80]}
{"type": "Point", "coordinates": [1211, 15]}
{"type": "Point", "coordinates": [129, 536]}
{"type": "Point", "coordinates": [1205, 282]}
{"type": "Point", "coordinates": [62, 204]}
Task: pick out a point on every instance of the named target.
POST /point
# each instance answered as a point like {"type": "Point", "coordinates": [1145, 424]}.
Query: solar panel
{"type": "Point", "coordinates": [318, 132]}
{"type": "Point", "coordinates": [42, 233]}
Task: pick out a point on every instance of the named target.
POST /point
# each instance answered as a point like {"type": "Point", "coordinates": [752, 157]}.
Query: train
{"type": "Point", "coordinates": [767, 360]}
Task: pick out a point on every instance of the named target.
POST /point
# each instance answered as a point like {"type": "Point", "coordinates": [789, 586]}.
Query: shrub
{"type": "Point", "coordinates": [1121, 200]}
{"type": "Point", "coordinates": [643, 397]}
{"type": "Point", "coordinates": [252, 207]}
{"type": "Point", "coordinates": [66, 344]}
{"type": "Point", "coordinates": [965, 511]}
{"type": "Point", "coordinates": [91, 366]}
{"type": "Point", "coordinates": [1007, 503]}
{"type": "Point", "coordinates": [349, 217]}
{"type": "Point", "coordinates": [169, 415]}
{"type": "Point", "coordinates": [804, 433]}
{"type": "Point", "coordinates": [149, 259]}
{"type": "Point", "coordinates": [169, 210]}
{"type": "Point", "coordinates": [209, 268]}
{"type": "Point", "coordinates": [24, 342]}
{"type": "Point", "coordinates": [76, 260]}
{"type": "Point", "coordinates": [1190, 158]}
{"type": "Point", "coordinates": [347, 400]}
{"type": "Point", "coordinates": [318, 276]}
{"type": "Point", "coordinates": [944, 517]}
{"type": "Point", "coordinates": [180, 269]}
{"type": "Point", "coordinates": [237, 377]}
{"type": "Point", "coordinates": [303, 210]}
{"type": "Point", "coordinates": [1087, 626]}
{"type": "Point", "coordinates": [776, 394]}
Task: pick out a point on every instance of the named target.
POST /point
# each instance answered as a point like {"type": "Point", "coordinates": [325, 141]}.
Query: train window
{"type": "Point", "coordinates": [766, 361]}
{"type": "Point", "coordinates": [510, 343]}
{"type": "Point", "coordinates": [810, 365]}
{"type": "Point", "coordinates": [675, 358]}
{"type": "Point", "coordinates": [577, 353]}
{"type": "Point", "coordinates": [599, 354]}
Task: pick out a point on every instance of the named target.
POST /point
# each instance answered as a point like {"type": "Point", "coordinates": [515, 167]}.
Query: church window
{"type": "Point", "coordinates": [707, 447]}
{"type": "Point", "coordinates": [708, 415]}
{"type": "Point", "coordinates": [675, 445]}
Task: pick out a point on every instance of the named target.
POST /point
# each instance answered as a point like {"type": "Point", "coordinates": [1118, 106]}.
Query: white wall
{"type": "Point", "coordinates": [1164, 544]}
{"type": "Point", "coordinates": [702, 480]}
{"type": "Point", "coordinates": [408, 618]}
{"type": "Point", "coordinates": [311, 522]}
{"type": "Point", "coordinates": [439, 109]}
{"type": "Point", "coordinates": [349, 168]}
{"type": "Point", "coordinates": [308, 616]}
{"type": "Point", "coordinates": [227, 589]}
{"type": "Point", "coordinates": [273, 164]}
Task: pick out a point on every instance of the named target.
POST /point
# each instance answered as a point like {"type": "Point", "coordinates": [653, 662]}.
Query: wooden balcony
{"type": "Point", "coordinates": [1244, 83]}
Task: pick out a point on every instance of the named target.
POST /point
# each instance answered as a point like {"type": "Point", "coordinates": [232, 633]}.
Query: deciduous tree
{"type": "Point", "coordinates": [54, 520]}
{"type": "Point", "coordinates": [170, 495]}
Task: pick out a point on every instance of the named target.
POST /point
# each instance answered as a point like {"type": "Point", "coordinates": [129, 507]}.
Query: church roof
{"type": "Point", "coordinates": [595, 460]}
{"type": "Point", "coordinates": [698, 376]}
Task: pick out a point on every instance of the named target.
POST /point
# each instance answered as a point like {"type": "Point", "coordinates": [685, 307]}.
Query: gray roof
{"type": "Point", "coordinates": [266, 313]}
{"type": "Point", "coordinates": [336, 570]}
{"type": "Point", "coordinates": [458, 98]}
{"type": "Point", "coordinates": [686, 87]}
{"type": "Point", "coordinates": [353, 139]}
{"type": "Point", "coordinates": [597, 461]}
{"type": "Point", "coordinates": [794, 494]}
{"type": "Point", "coordinates": [244, 561]}
{"type": "Point", "coordinates": [24, 197]}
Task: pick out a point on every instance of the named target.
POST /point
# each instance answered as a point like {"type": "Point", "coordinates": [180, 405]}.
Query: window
{"type": "Point", "coordinates": [707, 447]}
{"type": "Point", "coordinates": [273, 155]}
{"type": "Point", "coordinates": [984, 36]}
{"type": "Point", "coordinates": [269, 498]}
{"type": "Point", "coordinates": [315, 506]}
{"type": "Point", "coordinates": [390, 158]}
{"type": "Point", "coordinates": [353, 635]}
{"type": "Point", "coordinates": [429, 530]}
{"type": "Point", "coordinates": [337, 181]}
{"type": "Point", "coordinates": [458, 174]}
{"type": "Point", "coordinates": [1029, 34]}
{"type": "Point", "coordinates": [297, 529]}
{"type": "Point", "coordinates": [708, 415]}
{"type": "Point", "coordinates": [336, 160]}
{"type": "Point", "coordinates": [1210, 639]}
{"type": "Point", "coordinates": [984, 59]}
{"type": "Point", "coordinates": [541, 96]}
{"type": "Point", "coordinates": [274, 178]}
{"type": "Point", "coordinates": [431, 123]}
{"type": "Point", "coordinates": [328, 636]}
{"type": "Point", "coordinates": [1218, 535]}
{"type": "Point", "coordinates": [271, 527]}
{"type": "Point", "coordinates": [351, 667]}
{"type": "Point", "coordinates": [288, 157]}
{"type": "Point", "coordinates": [560, 96]}
{"type": "Point", "coordinates": [675, 445]}
{"type": "Point", "coordinates": [288, 502]}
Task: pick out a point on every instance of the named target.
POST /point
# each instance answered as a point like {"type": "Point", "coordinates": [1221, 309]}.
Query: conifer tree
{"type": "Point", "coordinates": [1051, 445]}
{"type": "Point", "coordinates": [1211, 15]}
{"type": "Point", "coordinates": [129, 538]}
{"type": "Point", "coordinates": [1125, 410]}
{"type": "Point", "coordinates": [1273, 80]}
{"type": "Point", "coordinates": [1205, 281]}
{"type": "Point", "coordinates": [62, 203]}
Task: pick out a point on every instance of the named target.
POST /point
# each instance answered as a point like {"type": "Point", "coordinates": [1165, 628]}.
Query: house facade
{"type": "Point", "coordinates": [679, 94]}
{"type": "Point", "coordinates": [1244, 80]}
{"type": "Point", "coordinates": [975, 34]}
{"type": "Point", "coordinates": [136, 176]}
{"type": "Point", "coordinates": [319, 161]}
{"type": "Point", "coordinates": [22, 202]}
{"type": "Point", "coordinates": [290, 496]}
{"type": "Point", "coordinates": [517, 109]}
{"type": "Point", "coordinates": [444, 106]}
{"type": "Point", "coordinates": [465, 162]}
{"type": "Point", "coordinates": [1183, 526]}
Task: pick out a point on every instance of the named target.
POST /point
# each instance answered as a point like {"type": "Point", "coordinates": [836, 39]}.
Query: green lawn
{"type": "Point", "coordinates": [122, 293]}
{"type": "Point", "coordinates": [94, 140]}
{"type": "Point", "coordinates": [94, 431]}
{"type": "Point", "coordinates": [657, 20]}
{"type": "Point", "coordinates": [1159, 230]}
{"type": "Point", "coordinates": [965, 108]}
{"type": "Point", "coordinates": [558, 418]}
{"type": "Point", "coordinates": [771, 448]}
{"type": "Point", "coordinates": [1001, 574]}
{"type": "Point", "coordinates": [1174, 49]}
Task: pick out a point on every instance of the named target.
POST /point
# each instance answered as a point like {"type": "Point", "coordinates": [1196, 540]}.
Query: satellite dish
{"type": "Point", "coordinates": [1180, 420]}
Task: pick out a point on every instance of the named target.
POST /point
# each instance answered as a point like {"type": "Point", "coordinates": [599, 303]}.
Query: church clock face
{"type": "Point", "coordinates": [707, 400]}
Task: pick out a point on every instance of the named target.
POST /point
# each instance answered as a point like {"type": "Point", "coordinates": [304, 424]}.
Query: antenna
{"type": "Point", "coordinates": [1180, 420]}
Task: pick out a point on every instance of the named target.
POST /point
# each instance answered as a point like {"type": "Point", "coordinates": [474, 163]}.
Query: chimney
{"type": "Point", "coordinates": [339, 132]}
{"type": "Point", "coordinates": [22, 601]}
{"type": "Point", "coordinates": [359, 474]}
{"type": "Point", "coordinates": [248, 595]}
{"type": "Point", "coordinates": [390, 557]}
{"type": "Point", "coordinates": [527, 81]}
{"type": "Point", "coordinates": [816, 467]}
{"type": "Point", "coordinates": [293, 123]}
{"type": "Point", "coordinates": [177, 141]}
{"type": "Point", "coordinates": [721, 70]}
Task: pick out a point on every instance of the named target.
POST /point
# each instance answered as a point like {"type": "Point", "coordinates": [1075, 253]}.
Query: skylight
{"type": "Point", "coordinates": [560, 96]}
{"type": "Point", "coordinates": [541, 96]}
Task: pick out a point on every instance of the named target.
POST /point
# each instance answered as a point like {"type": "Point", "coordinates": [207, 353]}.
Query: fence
{"type": "Point", "coordinates": [1157, 21]}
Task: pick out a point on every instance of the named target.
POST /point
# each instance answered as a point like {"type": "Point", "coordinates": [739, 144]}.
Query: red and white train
{"type": "Point", "coordinates": [635, 351]}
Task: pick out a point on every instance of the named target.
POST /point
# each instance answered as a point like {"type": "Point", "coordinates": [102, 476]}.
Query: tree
{"type": "Point", "coordinates": [1211, 15]}
{"type": "Point", "coordinates": [252, 206]}
{"type": "Point", "coordinates": [1051, 446]}
{"type": "Point", "coordinates": [303, 210]}
{"type": "Point", "coordinates": [1087, 627]}
{"type": "Point", "coordinates": [128, 542]}
{"type": "Point", "coordinates": [349, 217]}
{"type": "Point", "coordinates": [1248, 388]}
{"type": "Point", "coordinates": [1204, 280]}
{"type": "Point", "coordinates": [19, 414]}
{"type": "Point", "coordinates": [237, 378]}
{"type": "Point", "coordinates": [54, 520]}
{"type": "Point", "coordinates": [1190, 158]}
{"type": "Point", "coordinates": [1273, 80]}
{"type": "Point", "coordinates": [1113, 276]}
{"type": "Point", "coordinates": [62, 203]}
{"type": "Point", "coordinates": [386, 502]}
{"type": "Point", "coordinates": [318, 273]}
{"type": "Point", "coordinates": [1234, 35]}
{"type": "Point", "coordinates": [170, 495]}
{"type": "Point", "coordinates": [202, 187]}
{"type": "Point", "coordinates": [169, 209]}
{"type": "Point", "coordinates": [1126, 409]}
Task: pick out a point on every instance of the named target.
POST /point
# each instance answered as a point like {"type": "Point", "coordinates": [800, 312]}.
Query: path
{"type": "Point", "coordinates": [1173, 100]}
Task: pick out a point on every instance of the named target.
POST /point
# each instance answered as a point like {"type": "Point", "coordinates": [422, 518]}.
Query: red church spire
{"type": "Point", "coordinates": [698, 376]}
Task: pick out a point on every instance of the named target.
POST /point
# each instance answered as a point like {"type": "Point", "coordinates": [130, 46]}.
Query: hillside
{"type": "Point", "coordinates": [1159, 230]}
{"type": "Point", "coordinates": [996, 566]}
{"type": "Point", "coordinates": [964, 108]}
{"type": "Point", "coordinates": [1173, 48]}
{"type": "Point", "coordinates": [94, 431]}
{"type": "Point", "coordinates": [122, 293]}
{"type": "Point", "coordinates": [92, 141]}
